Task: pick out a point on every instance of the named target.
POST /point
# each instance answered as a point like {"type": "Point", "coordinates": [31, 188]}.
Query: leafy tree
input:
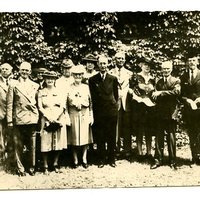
{"type": "Point", "coordinates": [175, 33]}
{"type": "Point", "coordinates": [22, 39]}
{"type": "Point", "coordinates": [90, 33]}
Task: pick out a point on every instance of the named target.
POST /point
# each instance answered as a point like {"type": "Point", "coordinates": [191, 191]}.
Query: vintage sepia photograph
{"type": "Point", "coordinates": [99, 99]}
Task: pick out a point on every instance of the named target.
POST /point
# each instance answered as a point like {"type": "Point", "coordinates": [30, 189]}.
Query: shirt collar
{"type": "Point", "coordinates": [23, 80]}
{"type": "Point", "coordinates": [166, 78]}
{"type": "Point", "coordinates": [103, 75]}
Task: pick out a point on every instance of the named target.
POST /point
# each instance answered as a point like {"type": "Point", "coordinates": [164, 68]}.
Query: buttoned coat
{"type": "Point", "coordinates": [190, 89]}
{"type": "Point", "coordinates": [123, 77]}
{"type": "Point", "coordinates": [104, 95]}
{"type": "Point", "coordinates": [167, 101]}
{"type": "Point", "coordinates": [21, 102]}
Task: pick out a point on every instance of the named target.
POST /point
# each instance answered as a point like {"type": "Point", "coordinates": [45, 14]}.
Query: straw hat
{"type": "Point", "coordinates": [78, 69]}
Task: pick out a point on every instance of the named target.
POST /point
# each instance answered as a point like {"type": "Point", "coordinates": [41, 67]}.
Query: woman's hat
{"type": "Point", "coordinates": [40, 70]}
{"type": "Point", "coordinates": [50, 74]}
{"type": "Point", "coordinates": [90, 58]}
{"type": "Point", "coordinates": [78, 69]}
{"type": "Point", "coordinates": [144, 60]}
{"type": "Point", "coordinates": [67, 63]}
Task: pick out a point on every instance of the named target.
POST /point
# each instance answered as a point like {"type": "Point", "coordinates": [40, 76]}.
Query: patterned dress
{"type": "Point", "coordinates": [53, 106]}
{"type": "Point", "coordinates": [80, 131]}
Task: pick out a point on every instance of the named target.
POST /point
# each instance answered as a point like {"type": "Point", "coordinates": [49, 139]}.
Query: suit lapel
{"type": "Point", "coordinates": [25, 91]}
{"type": "Point", "coordinates": [4, 86]}
{"type": "Point", "coordinates": [104, 84]}
{"type": "Point", "coordinates": [197, 78]}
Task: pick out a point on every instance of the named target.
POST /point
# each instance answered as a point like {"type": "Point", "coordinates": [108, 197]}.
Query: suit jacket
{"type": "Point", "coordinates": [123, 80]}
{"type": "Point", "coordinates": [21, 103]}
{"type": "Point", "coordinates": [104, 94]}
{"type": "Point", "coordinates": [167, 101]}
{"type": "Point", "coordinates": [190, 89]}
{"type": "Point", "coordinates": [3, 94]}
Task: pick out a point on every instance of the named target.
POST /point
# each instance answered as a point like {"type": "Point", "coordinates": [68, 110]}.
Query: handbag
{"type": "Point", "coordinates": [52, 127]}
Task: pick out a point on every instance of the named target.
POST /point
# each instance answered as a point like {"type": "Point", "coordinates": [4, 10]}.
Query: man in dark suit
{"type": "Point", "coordinates": [165, 96]}
{"type": "Point", "coordinates": [104, 94]}
{"type": "Point", "coordinates": [190, 92]}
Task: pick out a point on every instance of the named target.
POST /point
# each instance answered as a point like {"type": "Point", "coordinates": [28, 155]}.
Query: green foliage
{"type": "Point", "coordinates": [175, 34]}
{"type": "Point", "coordinates": [22, 39]}
{"type": "Point", "coordinates": [95, 35]}
{"type": "Point", "coordinates": [100, 31]}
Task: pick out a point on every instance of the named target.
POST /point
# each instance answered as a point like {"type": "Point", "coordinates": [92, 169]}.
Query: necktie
{"type": "Point", "coordinates": [165, 80]}
{"type": "Point", "coordinates": [7, 82]}
{"type": "Point", "coordinates": [102, 77]}
{"type": "Point", "coordinates": [192, 75]}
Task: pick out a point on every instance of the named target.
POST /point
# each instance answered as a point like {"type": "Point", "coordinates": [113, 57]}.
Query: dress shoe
{"type": "Point", "coordinates": [174, 166]}
{"type": "Point", "coordinates": [56, 168]}
{"type": "Point", "coordinates": [101, 165]}
{"type": "Point", "coordinates": [85, 165]}
{"type": "Point", "coordinates": [132, 160]}
{"type": "Point", "coordinates": [75, 165]}
{"type": "Point", "coordinates": [156, 164]}
{"type": "Point", "coordinates": [46, 172]}
{"type": "Point", "coordinates": [31, 172]}
{"type": "Point", "coordinates": [112, 164]}
{"type": "Point", "coordinates": [20, 173]}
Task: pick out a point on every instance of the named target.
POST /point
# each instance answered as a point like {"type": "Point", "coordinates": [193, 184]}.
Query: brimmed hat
{"type": "Point", "coordinates": [40, 70]}
{"type": "Point", "coordinates": [50, 74]}
{"type": "Point", "coordinates": [78, 69]}
{"type": "Point", "coordinates": [67, 63]}
{"type": "Point", "coordinates": [144, 60]}
{"type": "Point", "coordinates": [90, 57]}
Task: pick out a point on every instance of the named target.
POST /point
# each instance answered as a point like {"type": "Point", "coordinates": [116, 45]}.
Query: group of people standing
{"type": "Point", "coordinates": [104, 107]}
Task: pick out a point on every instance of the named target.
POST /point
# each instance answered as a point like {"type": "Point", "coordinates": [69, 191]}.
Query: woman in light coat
{"type": "Point", "coordinates": [81, 116]}
{"type": "Point", "coordinates": [52, 105]}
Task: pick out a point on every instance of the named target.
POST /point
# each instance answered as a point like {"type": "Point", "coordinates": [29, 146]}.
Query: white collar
{"type": "Point", "coordinates": [103, 75]}
{"type": "Point", "coordinates": [21, 80]}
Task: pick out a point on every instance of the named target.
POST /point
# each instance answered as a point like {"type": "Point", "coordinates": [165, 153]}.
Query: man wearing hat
{"type": "Point", "coordinates": [104, 93]}
{"type": "Point", "coordinates": [22, 114]}
{"type": "Point", "coordinates": [123, 126]}
{"type": "Point", "coordinates": [166, 95]}
{"type": "Point", "coordinates": [190, 92]}
{"type": "Point", "coordinates": [39, 76]}
{"type": "Point", "coordinates": [66, 79]}
{"type": "Point", "coordinates": [90, 62]}
{"type": "Point", "coordinates": [5, 80]}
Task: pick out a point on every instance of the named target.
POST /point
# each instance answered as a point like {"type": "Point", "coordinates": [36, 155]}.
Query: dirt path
{"type": "Point", "coordinates": [126, 174]}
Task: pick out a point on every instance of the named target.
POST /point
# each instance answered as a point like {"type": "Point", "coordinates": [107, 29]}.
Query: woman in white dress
{"type": "Point", "coordinates": [81, 116]}
{"type": "Point", "coordinates": [52, 105]}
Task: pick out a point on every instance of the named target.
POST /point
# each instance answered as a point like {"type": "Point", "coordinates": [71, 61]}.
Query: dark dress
{"type": "Point", "coordinates": [143, 115]}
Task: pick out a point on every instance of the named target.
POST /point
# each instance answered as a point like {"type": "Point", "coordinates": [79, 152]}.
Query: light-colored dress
{"type": "Point", "coordinates": [80, 131]}
{"type": "Point", "coordinates": [53, 106]}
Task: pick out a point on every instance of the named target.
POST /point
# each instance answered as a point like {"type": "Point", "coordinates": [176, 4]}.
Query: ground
{"type": "Point", "coordinates": [126, 174]}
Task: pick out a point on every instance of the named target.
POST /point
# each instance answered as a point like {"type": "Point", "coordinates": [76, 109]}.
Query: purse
{"type": "Point", "coordinates": [52, 127]}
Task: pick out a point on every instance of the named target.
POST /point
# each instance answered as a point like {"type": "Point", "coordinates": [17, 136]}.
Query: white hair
{"type": "Point", "coordinates": [6, 65]}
